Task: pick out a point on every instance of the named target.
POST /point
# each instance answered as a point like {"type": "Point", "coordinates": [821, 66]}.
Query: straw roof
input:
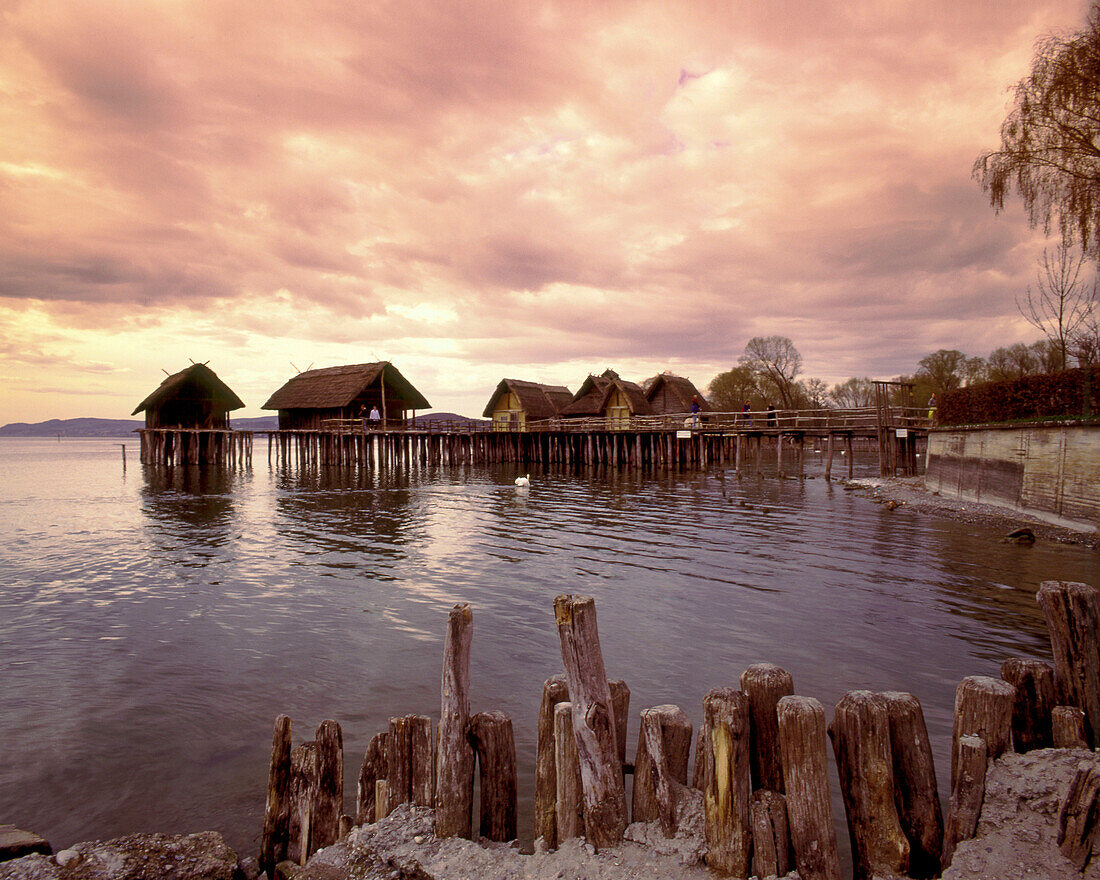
{"type": "Point", "coordinates": [197, 382]}
{"type": "Point", "coordinates": [338, 387]}
{"type": "Point", "coordinates": [591, 398]}
{"type": "Point", "coordinates": [669, 393]}
{"type": "Point", "coordinates": [537, 400]}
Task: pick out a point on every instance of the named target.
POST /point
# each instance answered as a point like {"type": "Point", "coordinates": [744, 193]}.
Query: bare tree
{"type": "Point", "coordinates": [817, 392]}
{"type": "Point", "coordinates": [1013, 362]}
{"type": "Point", "coordinates": [856, 392]}
{"type": "Point", "coordinates": [1061, 301]}
{"type": "Point", "coordinates": [778, 363]}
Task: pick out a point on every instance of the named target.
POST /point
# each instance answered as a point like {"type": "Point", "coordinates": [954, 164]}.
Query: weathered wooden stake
{"type": "Point", "coordinates": [373, 768]}
{"type": "Point", "coordinates": [495, 744]}
{"type": "Point", "coordinates": [330, 785]}
{"type": "Point", "coordinates": [675, 731]}
{"type": "Point", "coordinates": [569, 794]}
{"type": "Point", "coordinates": [554, 691]}
{"type": "Point", "coordinates": [771, 837]}
{"type": "Point", "coordinates": [916, 794]}
{"type": "Point", "coordinates": [1034, 683]}
{"type": "Point", "coordinates": [421, 783]}
{"type": "Point", "coordinates": [1072, 613]}
{"type": "Point", "coordinates": [806, 782]}
{"type": "Point", "coordinates": [381, 800]}
{"type": "Point", "coordinates": [983, 707]}
{"type": "Point", "coordinates": [303, 802]}
{"type": "Point", "coordinates": [861, 740]}
{"type": "Point", "coordinates": [966, 800]}
{"type": "Point", "coordinates": [454, 793]}
{"type": "Point", "coordinates": [593, 720]}
{"type": "Point", "coordinates": [620, 709]}
{"type": "Point", "coordinates": [728, 789]}
{"type": "Point", "coordinates": [1068, 728]}
{"type": "Point", "coordinates": [764, 684]}
{"type": "Point", "coordinates": [1078, 816]}
{"type": "Point", "coordinates": [398, 762]}
{"type": "Point", "coordinates": [273, 842]}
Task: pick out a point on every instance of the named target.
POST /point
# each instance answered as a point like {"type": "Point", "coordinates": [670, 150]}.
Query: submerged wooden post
{"type": "Point", "coordinates": [593, 720]}
{"type": "Point", "coordinates": [728, 789]}
{"type": "Point", "coordinates": [1031, 711]}
{"type": "Point", "coordinates": [771, 836]}
{"type": "Point", "coordinates": [916, 793]}
{"type": "Point", "coordinates": [1072, 613]}
{"type": "Point", "coordinates": [373, 768]}
{"type": "Point", "coordinates": [764, 684]}
{"type": "Point", "coordinates": [675, 730]}
{"type": "Point", "coordinates": [983, 707]}
{"type": "Point", "coordinates": [495, 744]}
{"type": "Point", "coordinates": [569, 794]}
{"type": "Point", "coordinates": [554, 691]}
{"type": "Point", "coordinates": [454, 791]}
{"type": "Point", "coordinates": [1068, 728]}
{"type": "Point", "coordinates": [1078, 817]}
{"type": "Point", "coordinates": [806, 781]}
{"type": "Point", "coordinates": [966, 799]}
{"type": "Point", "coordinates": [273, 842]}
{"type": "Point", "coordinates": [861, 740]}
{"type": "Point", "coordinates": [330, 785]}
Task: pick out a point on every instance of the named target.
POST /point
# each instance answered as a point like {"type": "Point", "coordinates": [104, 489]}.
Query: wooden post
{"type": "Point", "coordinates": [1078, 817]}
{"type": "Point", "coordinates": [454, 793]}
{"type": "Point", "coordinates": [806, 781]}
{"type": "Point", "coordinates": [330, 785]}
{"type": "Point", "coordinates": [764, 684]}
{"type": "Point", "coordinates": [829, 457]}
{"type": "Point", "coordinates": [1034, 683]}
{"type": "Point", "coordinates": [554, 691]}
{"type": "Point", "coordinates": [728, 789]}
{"type": "Point", "coordinates": [851, 462]}
{"type": "Point", "coordinates": [779, 455]}
{"type": "Point", "coordinates": [495, 744]}
{"type": "Point", "coordinates": [1068, 728]}
{"type": "Point", "coordinates": [1072, 613]}
{"type": "Point", "coordinates": [620, 709]}
{"type": "Point", "coordinates": [983, 707]}
{"type": "Point", "coordinates": [593, 720]}
{"type": "Point", "coordinates": [420, 760]}
{"type": "Point", "coordinates": [374, 768]}
{"type": "Point", "coordinates": [273, 842]}
{"type": "Point", "coordinates": [675, 729]}
{"type": "Point", "coordinates": [381, 800]}
{"type": "Point", "coordinates": [398, 762]}
{"type": "Point", "coordinates": [303, 800]}
{"type": "Point", "coordinates": [966, 799]}
{"type": "Point", "coordinates": [569, 794]}
{"type": "Point", "coordinates": [916, 794]}
{"type": "Point", "coordinates": [771, 837]}
{"type": "Point", "coordinates": [861, 740]}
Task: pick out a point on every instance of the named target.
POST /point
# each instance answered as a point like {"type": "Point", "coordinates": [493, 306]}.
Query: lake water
{"type": "Point", "coordinates": [152, 624]}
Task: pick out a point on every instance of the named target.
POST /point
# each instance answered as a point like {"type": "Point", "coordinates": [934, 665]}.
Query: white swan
{"type": "Point", "coordinates": [524, 482]}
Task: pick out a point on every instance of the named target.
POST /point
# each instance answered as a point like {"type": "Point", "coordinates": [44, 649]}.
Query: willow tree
{"type": "Point", "coordinates": [1049, 142]}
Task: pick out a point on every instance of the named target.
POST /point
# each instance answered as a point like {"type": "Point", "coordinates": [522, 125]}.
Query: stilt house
{"type": "Point", "coordinates": [191, 398]}
{"type": "Point", "coordinates": [517, 402]}
{"type": "Point", "coordinates": [608, 396]}
{"type": "Point", "coordinates": [316, 397]}
{"type": "Point", "coordinates": [672, 394]}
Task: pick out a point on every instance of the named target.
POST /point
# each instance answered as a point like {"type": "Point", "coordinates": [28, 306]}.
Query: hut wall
{"type": "Point", "coordinates": [618, 410]}
{"type": "Point", "coordinates": [508, 414]}
{"type": "Point", "coordinates": [184, 413]}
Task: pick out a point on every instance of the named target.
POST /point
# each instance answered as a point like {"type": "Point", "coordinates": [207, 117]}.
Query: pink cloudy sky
{"type": "Point", "coordinates": [475, 190]}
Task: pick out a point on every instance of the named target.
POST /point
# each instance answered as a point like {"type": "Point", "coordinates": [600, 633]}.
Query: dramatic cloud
{"type": "Point", "coordinates": [479, 189]}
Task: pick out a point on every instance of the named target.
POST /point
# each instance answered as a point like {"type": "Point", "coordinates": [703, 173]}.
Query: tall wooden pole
{"type": "Point", "coordinates": [454, 791]}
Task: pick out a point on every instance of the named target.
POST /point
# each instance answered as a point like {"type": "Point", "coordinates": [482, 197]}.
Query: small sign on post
{"type": "Point", "coordinates": [901, 433]}
{"type": "Point", "coordinates": [683, 435]}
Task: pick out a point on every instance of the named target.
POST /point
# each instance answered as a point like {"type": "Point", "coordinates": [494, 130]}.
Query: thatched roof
{"type": "Point", "coordinates": [337, 387]}
{"type": "Point", "coordinates": [197, 382]}
{"type": "Point", "coordinates": [538, 401]}
{"type": "Point", "coordinates": [669, 393]}
{"type": "Point", "coordinates": [591, 398]}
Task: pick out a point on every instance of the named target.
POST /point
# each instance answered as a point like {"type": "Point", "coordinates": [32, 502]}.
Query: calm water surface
{"type": "Point", "coordinates": [153, 624]}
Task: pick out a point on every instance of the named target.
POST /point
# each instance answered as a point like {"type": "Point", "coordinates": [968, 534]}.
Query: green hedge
{"type": "Point", "coordinates": [1069, 394]}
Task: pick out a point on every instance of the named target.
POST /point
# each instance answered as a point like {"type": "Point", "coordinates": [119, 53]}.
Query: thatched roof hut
{"type": "Point", "coordinates": [607, 395]}
{"type": "Point", "coordinates": [191, 398]}
{"type": "Point", "coordinates": [672, 394]}
{"type": "Point", "coordinates": [316, 396]}
{"type": "Point", "coordinates": [516, 402]}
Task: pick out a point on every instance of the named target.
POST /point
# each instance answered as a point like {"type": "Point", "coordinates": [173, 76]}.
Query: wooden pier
{"type": "Point", "coordinates": [195, 446]}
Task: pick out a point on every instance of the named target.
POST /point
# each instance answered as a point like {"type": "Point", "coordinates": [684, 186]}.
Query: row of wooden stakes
{"type": "Point", "coordinates": [760, 761]}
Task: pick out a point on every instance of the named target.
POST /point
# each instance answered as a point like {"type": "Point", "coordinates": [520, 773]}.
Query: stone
{"type": "Point", "coordinates": [16, 843]}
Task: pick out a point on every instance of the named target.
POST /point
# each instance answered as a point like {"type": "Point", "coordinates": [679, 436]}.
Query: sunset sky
{"type": "Point", "coordinates": [475, 190]}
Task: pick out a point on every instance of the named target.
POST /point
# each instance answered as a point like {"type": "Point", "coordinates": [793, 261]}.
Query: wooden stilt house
{"type": "Point", "coordinates": [320, 399]}
{"type": "Point", "coordinates": [669, 394]}
{"type": "Point", "coordinates": [192, 398]}
{"type": "Point", "coordinates": [608, 397]}
{"type": "Point", "coordinates": [516, 402]}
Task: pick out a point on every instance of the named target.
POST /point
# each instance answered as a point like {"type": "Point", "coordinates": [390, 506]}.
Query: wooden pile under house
{"type": "Point", "coordinates": [669, 394]}
{"type": "Point", "coordinates": [320, 399]}
{"type": "Point", "coordinates": [610, 397]}
{"type": "Point", "coordinates": [516, 402]}
{"type": "Point", "coordinates": [194, 398]}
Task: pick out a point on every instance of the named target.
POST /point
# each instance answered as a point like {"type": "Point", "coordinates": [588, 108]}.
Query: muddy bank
{"type": "Point", "coordinates": [910, 493]}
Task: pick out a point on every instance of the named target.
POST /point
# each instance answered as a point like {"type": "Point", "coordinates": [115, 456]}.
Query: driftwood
{"type": "Point", "coordinates": [454, 790]}
{"type": "Point", "coordinates": [569, 797]}
{"type": "Point", "coordinates": [983, 707]}
{"type": "Point", "coordinates": [325, 829]}
{"type": "Point", "coordinates": [1072, 613]}
{"type": "Point", "coordinates": [593, 720]}
{"type": "Point", "coordinates": [373, 769]}
{"type": "Point", "coordinates": [806, 784]}
{"type": "Point", "coordinates": [675, 730]}
{"type": "Point", "coordinates": [915, 791]}
{"type": "Point", "coordinates": [495, 745]}
{"type": "Point", "coordinates": [966, 799]}
{"type": "Point", "coordinates": [728, 790]}
{"type": "Point", "coordinates": [554, 691]}
{"type": "Point", "coordinates": [1068, 728]}
{"type": "Point", "coordinates": [1078, 816]}
{"type": "Point", "coordinates": [273, 841]}
{"type": "Point", "coordinates": [1034, 683]}
{"type": "Point", "coordinates": [861, 740]}
{"type": "Point", "coordinates": [303, 802]}
{"type": "Point", "coordinates": [764, 684]}
{"type": "Point", "coordinates": [771, 837]}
